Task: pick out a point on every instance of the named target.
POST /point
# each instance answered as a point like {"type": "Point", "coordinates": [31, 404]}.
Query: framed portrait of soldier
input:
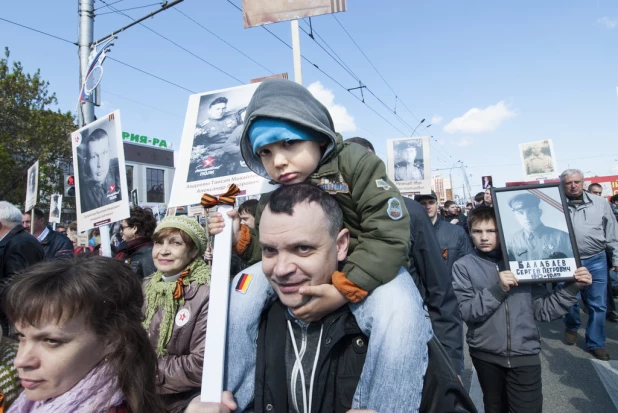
{"type": "Point", "coordinates": [536, 234]}
{"type": "Point", "coordinates": [210, 147]}
{"type": "Point", "coordinates": [100, 181]}
{"type": "Point", "coordinates": [32, 186]}
{"type": "Point", "coordinates": [55, 208]}
{"type": "Point", "coordinates": [538, 159]}
{"type": "Point", "coordinates": [408, 164]}
{"type": "Point", "coordinates": [487, 182]}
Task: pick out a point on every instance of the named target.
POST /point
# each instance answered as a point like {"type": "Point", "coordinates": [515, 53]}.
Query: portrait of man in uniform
{"type": "Point", "coordinates": [409, 165]}
{"type": "Point", "coordinates": [534, 240]}
{"type": "Point", "coordinates": [54, 207]}
{"type": "Point", "coordinates": [99, 181]}
{"type": "Point", "coordinates": [216, 149]}
{"type": "Point", "coordinates": [537, 158]}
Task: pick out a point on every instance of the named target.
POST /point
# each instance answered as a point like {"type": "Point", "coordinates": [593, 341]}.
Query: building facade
{"type": "Point", "coordinates": [150, 170]}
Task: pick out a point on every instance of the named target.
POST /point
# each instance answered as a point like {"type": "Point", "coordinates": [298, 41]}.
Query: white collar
{"type": "Point", "coordinates": [43, 234]}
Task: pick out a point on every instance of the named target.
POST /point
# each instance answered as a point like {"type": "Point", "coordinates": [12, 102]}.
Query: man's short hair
{"type": "Point", "coordinates": [614, 198]}
{"type": "Point", "coordinates": [469, 204]}
{"type": "Point", "coordinates": [249, 207]}
{"type": "Point", "coordinates": [363, 142]}
{"type": "Point", "coordinates": [9, 214]}
{"type": "Point", "coordinates": [594, 186]}
{"type": "Point", "coordinates": [220, 99]}
{"type": "Point", "coordinates": [286, 197]}
{"type": "Point", "coordinates": [447, 204]}
{"type": "Point", "coordinates": [96, 135]}
{"type": "Point", "coordinates": [569, 172]}
{"type": "Point", "coordinates": [480, 214]}
{"type": "Point", "coordinates": [479, 197]}
{"type": "Point", "coordinates": [58, 226]}
{"type": "Point", "coordinates": [38, 213]}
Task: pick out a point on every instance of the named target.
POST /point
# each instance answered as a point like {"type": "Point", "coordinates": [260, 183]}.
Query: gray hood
{"type": "Point", "coordinates": [286, 100]}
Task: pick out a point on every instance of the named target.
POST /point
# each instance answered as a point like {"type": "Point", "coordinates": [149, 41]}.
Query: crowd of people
{"type": "Point", "coordinates": [347, 296]}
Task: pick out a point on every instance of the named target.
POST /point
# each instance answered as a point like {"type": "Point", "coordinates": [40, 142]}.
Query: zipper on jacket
{"type": "Point", "coordinates": [508, 327]}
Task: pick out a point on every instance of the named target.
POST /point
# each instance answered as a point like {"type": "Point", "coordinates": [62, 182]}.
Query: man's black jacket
{"type": "Point", "coordinates": [56, 245]}
{"type": "Point", "coordinates": [428, 269]}
{"type": "Point", "coordinates": [342, 357]}
{"type": "Point", "coordinates": [18, 251]}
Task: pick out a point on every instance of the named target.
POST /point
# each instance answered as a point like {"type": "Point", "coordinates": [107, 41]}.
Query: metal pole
{"type": "Point", "coordinates": [86, 35]}
{"type": "Point", "coordinates": [298, 75]}
{"type": "Point", "coordinates": [86, 109]}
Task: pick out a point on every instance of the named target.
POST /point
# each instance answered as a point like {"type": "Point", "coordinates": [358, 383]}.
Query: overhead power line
{"type": "Point", "coordinates": [107, 5]}
{"type": "Point", "coordinates": [39, 31]}
{"type": "Point", "coordinates": [177, 45]}
{"type": "Point", "coordinates": [151, 75]}
{"type": "Point", "coordinates": [226, 42]}
{"type": "Point", "coordinates": [130, 8]}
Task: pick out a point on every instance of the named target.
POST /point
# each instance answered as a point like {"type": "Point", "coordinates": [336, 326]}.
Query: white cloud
{"type": "Point", "coordinates": [607, 22]}
{"type": "Point", "coordinates": [436, 120]}
{"type": "Point", "coordinates": [344, 122]}
{"type": "Point", "coordinates": [480, 120]}
{"type": "Point", "coordinates": [464, 142]}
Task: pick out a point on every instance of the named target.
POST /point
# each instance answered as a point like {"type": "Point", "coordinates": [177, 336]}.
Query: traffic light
{"type": "Point", "coordinates": [69, 186]}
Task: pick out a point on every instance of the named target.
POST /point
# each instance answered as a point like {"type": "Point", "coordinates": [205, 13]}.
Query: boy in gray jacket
{"type": "Point", "coordinates": [500, 314]}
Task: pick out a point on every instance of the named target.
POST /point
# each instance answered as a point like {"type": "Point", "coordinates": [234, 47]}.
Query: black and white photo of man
{"type": "Point", "coordinates": [99, 181]}
{"type": "Point", "coordinates": [535, 240]}
{"type": "Point", "coordinates": [54, 208]}
{"type": "Point", "coordinates": [537, 158]}
{"type": "Point", "coordinates": [32, 184]}
{"type": "Point", "coordinates": [409, 163]}
{"type": "Point", "coordinates": [216, 150]}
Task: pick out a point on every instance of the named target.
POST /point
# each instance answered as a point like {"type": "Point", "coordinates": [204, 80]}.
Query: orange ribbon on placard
{"type": "Point", "coordinates": [228, 198]}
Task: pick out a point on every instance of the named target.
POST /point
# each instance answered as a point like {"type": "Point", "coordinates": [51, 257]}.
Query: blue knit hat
{"type": "Point", "coordinates": [264, 131]}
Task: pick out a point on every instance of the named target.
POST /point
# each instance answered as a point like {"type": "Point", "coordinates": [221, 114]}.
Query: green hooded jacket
{"type": "Point", "coordinates": [373, 209]}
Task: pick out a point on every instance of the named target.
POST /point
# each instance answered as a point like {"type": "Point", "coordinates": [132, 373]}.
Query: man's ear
{"type": "Point", "coordinates": [343, 242]}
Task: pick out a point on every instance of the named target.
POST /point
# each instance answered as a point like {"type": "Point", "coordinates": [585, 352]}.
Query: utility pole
{"type": "Point", "coordinates": [86, 36]}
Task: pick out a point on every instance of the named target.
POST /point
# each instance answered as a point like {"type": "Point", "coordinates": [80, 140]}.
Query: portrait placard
{"type": "Point", "coordinates": [55, 208]}
{"type": "Point", "coordinates": [538, 160]}
{"type": "Point", "coordinates": [210, 148]}
{"type": "Point", "coordinates": [32, 186]}
{"type": "Point", "coordinates": [258, 12]}
{"type": "Point", "coordinates": [100, 181]}
{"type": "Point", "coordinates": [487, 182]}
{"type": "Point", "coordinates": [408, 164]}
{"type": "Point", "coordinates": [536, 234]}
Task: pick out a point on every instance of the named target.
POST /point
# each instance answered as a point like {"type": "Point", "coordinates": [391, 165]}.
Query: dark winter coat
{"type": "Point", "coordinates": [56, 245]}
{"type": "Point", "coordinates": [18, 251]}
{"type": "Point", "coordinates": [342, 356]}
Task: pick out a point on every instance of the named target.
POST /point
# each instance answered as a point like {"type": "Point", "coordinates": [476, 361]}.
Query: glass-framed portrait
{"type": "Point", "coordinates": [536, 234]}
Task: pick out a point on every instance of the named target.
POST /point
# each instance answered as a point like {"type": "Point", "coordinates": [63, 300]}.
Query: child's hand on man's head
{"type": "Point", "coordinates": [216, 224]}
{"type": "Point", "coordinates": [582, 276]}
{"type": "Point", "coordinates": [325, 299]}
{"type": "Point", "coordinates": [507, 280]}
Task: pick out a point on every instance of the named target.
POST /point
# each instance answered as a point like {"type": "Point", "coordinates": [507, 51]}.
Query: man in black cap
{"type": "Point", "coordinates": [535, 241]}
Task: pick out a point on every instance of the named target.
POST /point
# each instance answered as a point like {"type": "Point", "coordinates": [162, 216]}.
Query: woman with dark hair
{"type": "Point", "coordinates": [176, 308]}
{"type": "Point", "coordinates": [82, 348]}
{"type": "Point", "coordinates": [136, 246]}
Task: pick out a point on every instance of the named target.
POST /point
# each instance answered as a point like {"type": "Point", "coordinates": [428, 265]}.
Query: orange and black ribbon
{"type": "Point", "coordinates": [228, 198]}
{"type": "Point", "coordinates": [178, 290]}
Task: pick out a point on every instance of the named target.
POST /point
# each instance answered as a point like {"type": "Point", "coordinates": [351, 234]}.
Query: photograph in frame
{"type": "Point", "coordinates": [487, 182]}
{"type": "Point", "coordinates": [408, 164]}
{"type": "Point", "coordinates": [100, 181]}
{"type": "Point", "coordinates": [32, 186]}
{"type": "Point", "coordinates": [538, 160]}
{"type": "Point", "coordinates": [536, 235]}
{"type": "Point", "coordinates": [210, 147]}
{"type": "Point", "coordinates": [55, 208]}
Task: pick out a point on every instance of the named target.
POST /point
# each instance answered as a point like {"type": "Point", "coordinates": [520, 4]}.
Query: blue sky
{"type": "Point", "coordinates": [488, 75]}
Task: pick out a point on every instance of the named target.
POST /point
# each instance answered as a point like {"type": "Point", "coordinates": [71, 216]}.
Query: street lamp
{"type": "Point", "coordinates": [419, 124]}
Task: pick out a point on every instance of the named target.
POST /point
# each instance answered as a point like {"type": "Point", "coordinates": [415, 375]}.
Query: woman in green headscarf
{"type": "Point", "coordinates": [176, 308]}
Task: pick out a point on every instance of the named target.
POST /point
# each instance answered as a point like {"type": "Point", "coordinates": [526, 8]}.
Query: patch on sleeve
{"type": "Point", "coordinates": [394, 209]}
{"type": "Point", "coordinates": [243, 283]}
{"type": "Point", "coordinates": [381, 183]}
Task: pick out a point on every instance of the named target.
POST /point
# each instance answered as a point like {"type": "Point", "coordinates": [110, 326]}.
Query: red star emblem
{"type": "Point", "coordinates": [208, 162]}
{"type": "Point", "coordinates": [182, 317]}
{"type": "Point", "coordinates": [112, 187]}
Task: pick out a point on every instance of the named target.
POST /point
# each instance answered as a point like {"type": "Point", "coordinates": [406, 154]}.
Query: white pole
{"type": "Point", "coordinates": [298, 75]}
{"type": "Point", "coordinates": [106, 244]}
{"type": "Point", "coordinates": [216, 326]}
